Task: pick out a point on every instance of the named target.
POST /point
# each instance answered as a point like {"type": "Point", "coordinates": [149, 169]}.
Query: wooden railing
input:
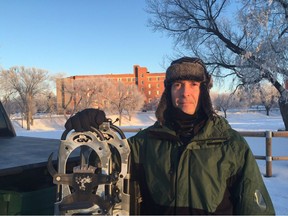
{"type": "Point", "coordinates": [268, 142]}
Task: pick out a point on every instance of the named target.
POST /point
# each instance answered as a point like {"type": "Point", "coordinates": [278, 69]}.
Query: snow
{"type": "Point", "coordinates": [277, 185]}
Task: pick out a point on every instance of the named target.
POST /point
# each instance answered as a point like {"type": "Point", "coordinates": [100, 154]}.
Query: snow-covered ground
{"type": "Point", "coordinates": [242, 121]}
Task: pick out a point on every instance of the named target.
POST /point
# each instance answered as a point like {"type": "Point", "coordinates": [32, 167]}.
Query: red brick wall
{"type": "Point", "coordinates": [150, 84]}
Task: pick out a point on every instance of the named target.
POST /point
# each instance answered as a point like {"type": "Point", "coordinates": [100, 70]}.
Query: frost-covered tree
{"type": "Point", "coordinates": [23, 84]}
{"type": "Point", "coordinates": [68, 93]}
{"type": "Point", "coordinates": [82, 93]}
{"type": "Point", "coordinates": [87, 93]}
{"type": "Point", "coordinates": [46, 102]}
{"type": "Point", "coordinates": [247, 96]}
{"type": "Point", "coordinates": [135, 101]}
{"type": "Point", "coordinates": [120, 98]}
{"type": "Point", "coordinates": [111, 96]}
{"type": "Point", "coordinates": [224, 102]}
{"type": "Point", "coordinates": [267, 95]}
{"type": "Point", "coordinates": [245, 39]}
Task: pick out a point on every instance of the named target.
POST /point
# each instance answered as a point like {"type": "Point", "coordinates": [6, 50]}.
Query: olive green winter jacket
{"type": "Point", "coordinates": [215, 173]}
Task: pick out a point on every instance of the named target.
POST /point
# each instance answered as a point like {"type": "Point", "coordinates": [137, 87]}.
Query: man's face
{"type": "Point", "coordinates": [185, 95]}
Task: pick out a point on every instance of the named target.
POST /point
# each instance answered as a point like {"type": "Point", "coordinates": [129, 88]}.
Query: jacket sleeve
{"type": "Point", "coordinates": [249, 191]}
{"type": "Point", "coordinates": [135, 195]}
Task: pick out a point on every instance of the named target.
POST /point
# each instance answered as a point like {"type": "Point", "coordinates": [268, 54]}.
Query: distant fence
{"type": "Point", "coordinates": [268, 142]}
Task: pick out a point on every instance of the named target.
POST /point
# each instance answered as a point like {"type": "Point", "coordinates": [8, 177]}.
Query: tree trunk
{"type": "Point", "coordinates": [31, 119]}
{"type": "Point", "coordinates": [267, 111]}
{"type": "Point", "coordinates": [225, 113]}
{"type": "Point", "coordinates": [27, 120]}
{"type": "Point", "coordinates": [120, 119]}
{"type": "Point", "coordinates": [283, 101]}
{"type": "Point", "coordinates": [29, 110]}
{"type": "Point", "coordinates": [283, 104]}
{"type": "Point", "coordinates": [65, 114]}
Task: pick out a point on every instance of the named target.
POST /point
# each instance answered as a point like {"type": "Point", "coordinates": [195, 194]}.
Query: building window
{"type": "Point", "coordinates": [142, 82]}
{"type": "Point", "coordinates": [149, 78]}
{"type": "Point", "coordinates": [149, 92]}
{"type": "Point", "coordinates": [158, 85]}
{"type": "Point", "coordinates": [157, 92]}
{"type": "Point", "coordinates": [149, 85]}
{"type": "Point", "coordinates": [142, 89]}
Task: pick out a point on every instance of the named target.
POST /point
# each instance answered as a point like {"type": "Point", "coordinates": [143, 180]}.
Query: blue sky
{"type": "Point", "coordinates": [80, 37]}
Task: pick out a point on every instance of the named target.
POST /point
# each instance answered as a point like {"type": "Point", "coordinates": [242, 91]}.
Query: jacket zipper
{"type": "Point", "coordinates": [173, 181]}
{"type": "Point", "coordinates": [174, 175]}
{"type": "Point", "coordinates": [172, 185]}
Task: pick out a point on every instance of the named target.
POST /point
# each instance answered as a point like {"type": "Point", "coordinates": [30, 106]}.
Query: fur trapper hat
{"type": "Point", "coordinates": [186, 68]}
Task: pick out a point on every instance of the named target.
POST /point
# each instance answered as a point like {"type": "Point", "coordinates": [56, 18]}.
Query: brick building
{"type": "Point", "coordinates": [150, 84]}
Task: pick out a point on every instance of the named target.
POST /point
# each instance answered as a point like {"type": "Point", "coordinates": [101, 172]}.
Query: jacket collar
{"type": "Point", "coordinates": [213, 129]}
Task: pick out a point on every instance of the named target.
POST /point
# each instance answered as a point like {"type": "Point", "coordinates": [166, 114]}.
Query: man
{"type": "Point", "coordinates": [190, 161]}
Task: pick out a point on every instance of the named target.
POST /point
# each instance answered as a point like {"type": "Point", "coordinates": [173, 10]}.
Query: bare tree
{"type": "Point", "coordinates": [82, 93]}
{"type": "Point", "coordinates": [135, 100]}
{"type": "Point", "coordinates": [152, 105]}
{"type": "Point", "coordinates": [268, 96]}
{"type": "Point", "coordinates": [246, 95]}
{"type": "Point", "coordinates": [119, 98]}
{"type": "Point", "coordinates": [25, 83]}
{"type": "Point", "coordinates": [224, 101]}
{"type": "Point", "coordinates": [260, 94]}
{"type": "Point", "coordinates": [68, 93]}
{"type": "Point", "coordinates": [46, 102]}
{"type": "Point", "coordinates": [251, 47]}
{"type": "Point", "coordinates": [114, 97]}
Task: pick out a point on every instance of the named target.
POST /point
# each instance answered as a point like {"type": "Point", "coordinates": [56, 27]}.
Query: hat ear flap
{"type": "Point", "coordinates": [205, 100]}
{"type": "Point", "coordinates": [209, 82]}
{"type": "Point", "coordinates": [162, 106]}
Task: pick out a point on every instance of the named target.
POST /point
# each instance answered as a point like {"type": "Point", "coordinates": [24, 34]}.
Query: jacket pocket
{"type": "Point", "coordinates": [208, 143]}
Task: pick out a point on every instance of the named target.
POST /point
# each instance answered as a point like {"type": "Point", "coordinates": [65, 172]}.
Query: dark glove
{"type": "Point", "coordinates": [82, 121]}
